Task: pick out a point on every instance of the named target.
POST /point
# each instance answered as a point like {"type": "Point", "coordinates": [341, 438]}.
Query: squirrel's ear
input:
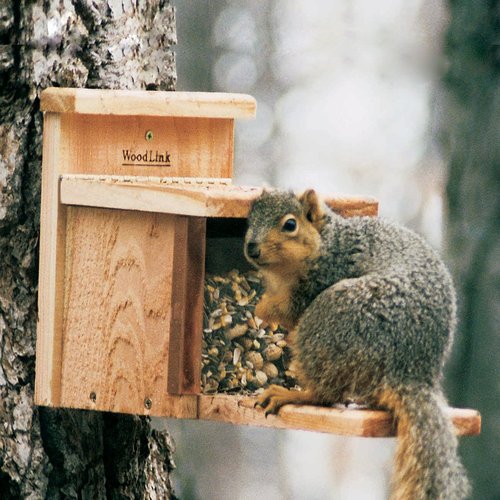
{"type": "Point", "coordinates": [313, 209]}
{"type": "Point", "coordinates": [266, 191]}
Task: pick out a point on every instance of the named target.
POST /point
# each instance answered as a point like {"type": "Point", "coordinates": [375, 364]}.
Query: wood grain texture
{"type": "Point", "coordinates": [178, 304]}
{"type": "Point", "coordinates": [118, 312]}
{"type": "Point", "coordinates": [467, 422]}
{"type": "Point", "coordinates": [104, 144]}
{"type": "Point", "coordinates": [184, 359]}
{"type": "Point", "coordinates": [51, 271]}
{"type": "Point", "coordinates": [208, 200]}
{"type": "Point", "coordinates": [346, 422]}
{"type": "Point", "coordinates": [148, 103]}
{"type": "Point", "coordinates": [194, 300]}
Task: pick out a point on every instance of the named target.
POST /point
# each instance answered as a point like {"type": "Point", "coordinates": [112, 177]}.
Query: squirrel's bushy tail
{"type": "Point", "coordinates": [426, 465]}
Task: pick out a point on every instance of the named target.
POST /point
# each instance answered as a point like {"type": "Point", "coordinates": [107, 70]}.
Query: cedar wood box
{"type": "Point", "coordinates": [137, 203]}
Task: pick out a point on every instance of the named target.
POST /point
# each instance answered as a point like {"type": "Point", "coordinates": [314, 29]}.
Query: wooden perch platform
{"type": "Point", "coordinates": [186, 196]}
{"type": "Point", "coordinates": [345, 422]}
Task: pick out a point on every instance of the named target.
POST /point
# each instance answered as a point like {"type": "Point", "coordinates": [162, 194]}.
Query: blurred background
{"type": "Point", "coordinates": [393, 99]}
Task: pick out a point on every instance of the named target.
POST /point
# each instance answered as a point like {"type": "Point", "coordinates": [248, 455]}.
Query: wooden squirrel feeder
{"type": "Point", "coordinates": [136, 199]}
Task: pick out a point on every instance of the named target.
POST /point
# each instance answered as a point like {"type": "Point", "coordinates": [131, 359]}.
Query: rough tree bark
{"type": "Point", "coordinates": [108, 44]}
{"type": "Point", "coordinates": [473, 127]}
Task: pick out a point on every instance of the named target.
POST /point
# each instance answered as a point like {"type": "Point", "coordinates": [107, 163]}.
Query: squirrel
{"type": "Point", "coordinates": [370, 309]}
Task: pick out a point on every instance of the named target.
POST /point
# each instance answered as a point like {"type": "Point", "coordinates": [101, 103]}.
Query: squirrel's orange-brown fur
{"type": "Point", "coordinates": [371, 309]}
{"type": "Point", "coordinates": [287, 262]}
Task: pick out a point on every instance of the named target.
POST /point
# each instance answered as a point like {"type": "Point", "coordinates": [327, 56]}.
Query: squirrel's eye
{"type": "Point", "coordinates": [290, 225]}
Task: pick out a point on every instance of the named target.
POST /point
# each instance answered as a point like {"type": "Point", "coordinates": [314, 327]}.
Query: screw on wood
{"type": "Point", "coordinates": [148, 403]}
{"type": "Point", "coordinates": [149, 135]}
{"type": "Point", "coordinates": [93, 397]}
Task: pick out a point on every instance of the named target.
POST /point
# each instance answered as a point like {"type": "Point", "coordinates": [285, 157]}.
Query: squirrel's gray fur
{"type": "Point", "coordinates": [375, 315]}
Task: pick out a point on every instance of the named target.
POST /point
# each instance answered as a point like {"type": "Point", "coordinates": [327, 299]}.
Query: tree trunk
{"type": "Point", "coordinates": [474, 226]}
{"type": "Point", "coordinates": [47, 453]}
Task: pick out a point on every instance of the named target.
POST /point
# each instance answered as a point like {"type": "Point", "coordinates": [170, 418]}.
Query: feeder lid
{"type": "Point", "coordinates": [147, 103]}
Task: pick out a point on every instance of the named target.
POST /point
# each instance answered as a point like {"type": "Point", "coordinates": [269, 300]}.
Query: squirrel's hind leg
{"type": "Point", "coordinates": [275, 396]}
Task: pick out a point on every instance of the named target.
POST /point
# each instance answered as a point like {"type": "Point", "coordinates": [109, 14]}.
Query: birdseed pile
{"type": "Point", "coordinates": [240, 353]}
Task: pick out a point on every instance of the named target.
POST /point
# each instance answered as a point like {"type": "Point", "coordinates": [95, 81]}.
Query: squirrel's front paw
{"type": "Point", "coordinates": [275, 396]}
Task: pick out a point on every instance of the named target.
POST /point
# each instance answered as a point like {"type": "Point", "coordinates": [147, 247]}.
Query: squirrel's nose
{"type": "Point", "coordinates": [253, 249]}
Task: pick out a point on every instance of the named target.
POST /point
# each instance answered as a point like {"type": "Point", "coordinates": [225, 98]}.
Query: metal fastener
{"type": "Point", "coordinates": [149, 135]}
{"type": "Point", "coordinates": [93, 397]}
{"type": "Point", "coordinates": [148, 403]}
